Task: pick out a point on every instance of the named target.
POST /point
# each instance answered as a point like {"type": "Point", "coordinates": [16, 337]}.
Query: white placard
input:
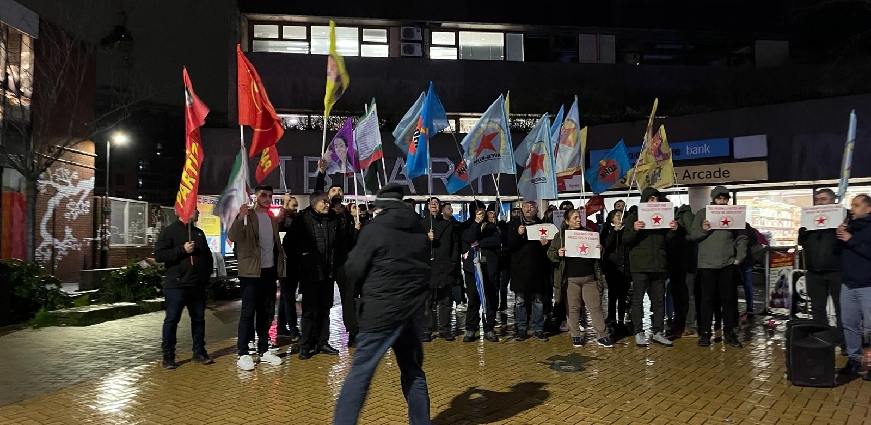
{"type": "Point", "coordinates": [822, 217]}
{"type": "Point", "coordinates": [582, 244]}
{"type": "Point", "coordinates": [656, 215]}
{"type": "Point", "coordinates": [534, 232]}
{"type": "Point", "coordinates": [558, 217]}
{"type": "Point", "coordinates": [726, 217]}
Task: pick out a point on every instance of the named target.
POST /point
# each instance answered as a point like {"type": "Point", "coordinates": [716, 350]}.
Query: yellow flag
{"type": "Point", "coordinates": [337, 76]}
{"type": "Point", "coordinates": [583, 144]}
{"type": "Point", "coordinates": [507, 113]}
{"type": "Point", "coordinates": [656, 167]}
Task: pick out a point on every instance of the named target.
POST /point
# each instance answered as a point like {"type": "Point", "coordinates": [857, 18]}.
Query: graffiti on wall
{"type": "Point", "coordinates": [70, 201]}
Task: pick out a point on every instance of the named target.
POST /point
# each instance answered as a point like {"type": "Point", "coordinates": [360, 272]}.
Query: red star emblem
{"type": "Point", "coordinates": [657, 219]}
{"type": "Point", "coordinates": [542, 232]}
{"type": "Point", "coordinates": [583, 248]}
{"type": "Point", "coordinates": [725, 222]}
{"type": "Point", "coordinates": [821, 220]}
{"type": "Point", "coordinates": [486, 143]}
{"type": "Point", "coordinates": [536, 163]}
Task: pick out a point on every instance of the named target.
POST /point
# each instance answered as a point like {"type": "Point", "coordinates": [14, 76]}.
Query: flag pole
{"type": "Point", "coordinates": [244, 158]}
{"type": "Point", "coordinates": [324, 138]}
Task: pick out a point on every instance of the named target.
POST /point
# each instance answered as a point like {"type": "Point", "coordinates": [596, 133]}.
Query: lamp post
{"type": "Point", "coordinates": [119, 138]}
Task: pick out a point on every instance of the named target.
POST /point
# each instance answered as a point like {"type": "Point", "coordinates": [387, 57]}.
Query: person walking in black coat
{"type": "Point", "coordinates": [183, 250]}
{"type": "Point", "coordinates": [390, 266]}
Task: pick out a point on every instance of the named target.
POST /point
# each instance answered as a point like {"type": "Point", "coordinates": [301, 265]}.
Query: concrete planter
{"type": "Point", "coordinates": [98, 313]}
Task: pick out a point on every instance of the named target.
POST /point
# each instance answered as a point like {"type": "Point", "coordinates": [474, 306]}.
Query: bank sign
{"type": "Point", "coordinates": [697, 149]}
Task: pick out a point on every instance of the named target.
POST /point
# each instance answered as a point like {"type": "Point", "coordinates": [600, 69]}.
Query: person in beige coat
{"type": "Point", "coordinates": [254, 234]}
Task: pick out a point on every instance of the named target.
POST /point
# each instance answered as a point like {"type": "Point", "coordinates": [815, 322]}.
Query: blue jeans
{"type": "Point", "coordinates": [855, 307]}
{"type": "Point", "coordinates": [371, 347]}
{"type": "Point", "coordinates": [520, 313]}
{"type": "Point", "coordinates": [194, 298]}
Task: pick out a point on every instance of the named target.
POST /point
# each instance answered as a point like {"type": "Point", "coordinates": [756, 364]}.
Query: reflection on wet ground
{"type": "Point", "coordinates": [109, 374]}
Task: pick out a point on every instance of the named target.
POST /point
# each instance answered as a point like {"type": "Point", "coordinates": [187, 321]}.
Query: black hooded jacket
{"type": "Point", "coordinates": [647, 247]}
{"type": "Point", "coordinates": [183, 269]}
{"type": "Point", "coordinates": [390, 269]}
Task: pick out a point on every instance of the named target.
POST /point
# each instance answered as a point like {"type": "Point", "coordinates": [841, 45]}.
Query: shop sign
{"type": "Point", "coordinates": [696, 149]}
{"type": "Point", "coordinates": [716, 173]}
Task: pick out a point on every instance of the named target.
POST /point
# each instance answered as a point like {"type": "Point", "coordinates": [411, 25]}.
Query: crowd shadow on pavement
{"type": "Point", "coordinates": [481, 406]}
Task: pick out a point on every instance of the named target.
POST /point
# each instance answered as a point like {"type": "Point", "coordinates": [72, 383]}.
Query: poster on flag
{"type": "Point", "coordinates": [656, 215]}
{"type": "Point", "coordinates": [726, 217]}
{"type": "Point", "coordinates": [367, 137]}
{"type": "Point", "coordinates": [537, 231]}
{"type": "Point", "coordinates": [822, 217]}
{"type": "Point", "coordinates": [582, 244]}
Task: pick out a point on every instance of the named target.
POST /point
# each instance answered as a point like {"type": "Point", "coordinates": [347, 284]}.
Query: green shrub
{"type": "Point", "coordinates": [30, 289]}
{"type": "Point", "coordinates": [132, 283]}
{"type": "Point", "coordinates": [223, 289]}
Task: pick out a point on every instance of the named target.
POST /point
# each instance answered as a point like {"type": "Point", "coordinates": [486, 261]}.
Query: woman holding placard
{"type": "Point", "coordinates": [576, 253]}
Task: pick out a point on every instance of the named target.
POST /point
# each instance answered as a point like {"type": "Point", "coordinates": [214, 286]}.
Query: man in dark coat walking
{"type": "Point", "coordinates": [444, 255]}
{"type": "Point", "coordinates": [529, 272]}
{"type": "Point", "coordinates": [390, 265]}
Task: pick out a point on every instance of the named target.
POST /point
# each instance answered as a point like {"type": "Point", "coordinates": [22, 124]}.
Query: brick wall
{"type": "Point", "coordinates": [64, 222]}
{"type": "Point", "coordinates": [118, 255]}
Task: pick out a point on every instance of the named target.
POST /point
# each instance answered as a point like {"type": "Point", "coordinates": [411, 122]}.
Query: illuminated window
{"type": "Point", "coordinates": [482, 45]}
{"type": "Point", "coordinates": [265, 31]}
{"type": "Point", "coordinates": [347, 40]}
{"type": "Point", "coordinates": [374, 43]}
{"type": "Point", "coordinates": [443, 45]}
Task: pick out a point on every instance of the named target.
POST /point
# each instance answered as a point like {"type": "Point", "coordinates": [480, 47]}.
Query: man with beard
{"type": "Point", "coordinates": [444, 255]}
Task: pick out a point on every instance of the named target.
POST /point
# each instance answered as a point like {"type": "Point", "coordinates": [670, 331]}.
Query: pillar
{"type": "Point", "coordinates": [700, 196]}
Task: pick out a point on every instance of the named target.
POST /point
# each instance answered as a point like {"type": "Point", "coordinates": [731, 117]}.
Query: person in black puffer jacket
{"type": "Point", "coordinates": [390, 266]}
{"type": "Point", "coordinates": [482, 236]}
{"type": "Point", "coordinates": [183, 250]}
{"type": "Point", "coordinates": [822, 258]}
{"type": "Point", "coordinates": [444, 255]}
{"type": "Point", "coordinates": [615, 267]}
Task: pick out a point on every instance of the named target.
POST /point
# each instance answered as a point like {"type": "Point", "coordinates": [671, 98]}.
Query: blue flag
{"type": "Point", "coordinates": [405, 129]}
{"type": "Point", "coordinates": [458, 179]}
{"type": "Point", "coordinates": [609, 170]}
{"type": "Point", "coordinates": [487, 146]}
{"type": "Point", "coordinates": [557, 124]}
{"type": "Point", "coordinates": [432, 120]}
{"type": "Point", "coordinates": [538, 181]}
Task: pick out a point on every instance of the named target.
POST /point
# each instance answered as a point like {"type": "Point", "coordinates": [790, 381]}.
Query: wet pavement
{"type": "Point", "coordinates": [110, 374]}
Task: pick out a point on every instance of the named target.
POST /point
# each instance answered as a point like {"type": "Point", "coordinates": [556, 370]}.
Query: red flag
{"type": "Point", "coordinates": [195, 116]}
{"type": "Point", "coordinates": [255, 109]}
{"type": "Point", "coordinates": [268, 162]}
{"type": "Point", "coordinates": [595, 204]}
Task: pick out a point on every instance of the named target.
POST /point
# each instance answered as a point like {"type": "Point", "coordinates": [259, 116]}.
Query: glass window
{"type": "Point", "coordinates": [280, 46]}
{"type": "Point", "coordinates": [482, 45]}
{"type": "Point", "coordinates": [466, 124]}
{"type": "Point", "coordinates": [374, 50]}
{"type": "Point", "coordinates": [444, 38]}
{"type": "Point", "coordinates": [514, 47]}
{"type": "Point", "coordinates": [265, 31]}
{"type": "Point", "coordinates": [293, 33]}
{"type": "Point", "coordinates": [776, 213]}
{"type": "Point", "coordinates": [374, 35]}
{"type": "Point", "coordinates": [128, 222]}
{"type": "Point", "coordinates": [347, 40]}
{"type": "Point", "coordinates": [442, 52]}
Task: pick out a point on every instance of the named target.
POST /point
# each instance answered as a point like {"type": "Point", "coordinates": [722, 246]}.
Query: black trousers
{"type": "Point", "coordinates": [474, 301]}
{"type": "Point", "coordinates": [618, 295]}
{"type": "Point", "coordinates": [819, 286]}
{"type": "Point", "coordinates": [348, 294]}
{"type": "Point", "coordinates": [287, 318]}
{"type": "Point", "coordinates": [680, 298]}
{"type": "Point", "coordinates": [317, 300]}
{"type": "Point", "coordinates": [652, 284]}
{"type": "Point", "coordinates": [439, 302]}
{"type": "Point", "coordinates": [718, 285]}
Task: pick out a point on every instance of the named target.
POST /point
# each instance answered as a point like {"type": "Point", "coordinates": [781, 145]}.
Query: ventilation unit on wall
{"type": "Point", "coordinates": [411, 34]}
{"type": "Point", "coordinates": [412, 50]}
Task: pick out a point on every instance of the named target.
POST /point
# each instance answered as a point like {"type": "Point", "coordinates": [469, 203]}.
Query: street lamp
{"type": "Point", "coordinates": [118, 138]}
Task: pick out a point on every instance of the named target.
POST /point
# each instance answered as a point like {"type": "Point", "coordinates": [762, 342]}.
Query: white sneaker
{"type": "Point", "coordinates": [270, 358]}
{"type": "Point", "coordinates": [298, 297]}
{"type": "Point", "coordinates": [245, 363]}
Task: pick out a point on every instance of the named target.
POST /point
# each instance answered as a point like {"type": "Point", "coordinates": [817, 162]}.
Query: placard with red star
{"type": "Point", "coordinates": [582, 244]}
{"type": "Point", "coordinates": [656, 215]}
{"type": "Point", "coordinates": [821, 217]}
{"type": "Point", "coordinates": [726, 217]}
{"type": "Point", "coordinates": [537, 231]}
